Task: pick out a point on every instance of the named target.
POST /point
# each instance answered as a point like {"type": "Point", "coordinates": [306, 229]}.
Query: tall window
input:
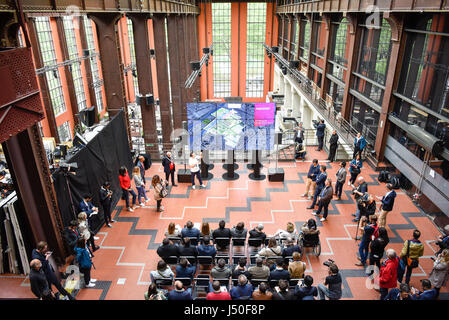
{"type": "Point", "coordinates": [295, 28]}
{"type": "Point", "coordinates": [256, 23]}
{"type": "Point", "coordinates": [49, 59]}
{"type": "Point", "coordinates": [221, 34]}
{"type": "Point", "coordinates": [304, 44]}
{"type": "Point", "coordinates": [75, 67]}
{"type": "Point", "coordinates": [97, 82]}
{"type": "Point", "coordinates": [64, 132]}
{"type": "Point", "coordinates": [133, 54]}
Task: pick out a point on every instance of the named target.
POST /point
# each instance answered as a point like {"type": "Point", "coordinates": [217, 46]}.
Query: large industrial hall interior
{"type": "Point", "coordinates": [224, 150]}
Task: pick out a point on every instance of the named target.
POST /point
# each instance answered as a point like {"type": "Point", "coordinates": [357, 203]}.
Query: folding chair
{"type": "Point", "coordinates": [187, 282]}
{"type": "Point", "coordinates": [254, 245]}
{"type": "Point", "coordinates": [293, 282]}
{"type": "Point", "coordinates": [238, 245]}
{"type": "Point", "coordinates": [171, 260]}
{"type": "Point", "coordinates": [164, 283]}
{"type": "Point", "coordinates": [222, 244]}
{"type": "Point", "coordinates": [223, 282]}
{"type": "Point", "coordinates": [175, 240]}
{"type": "Point", "coordinates": [192, 260]}
{"type": "Point", "coordinates": [205, 261]}
{"type": "Point", "coordinates": [256, 282]}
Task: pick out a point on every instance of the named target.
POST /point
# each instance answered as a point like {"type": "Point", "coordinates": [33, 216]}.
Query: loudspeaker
{"type": "Point", "coordinates": [293, 64]}
{"type": "Point", "coordinates": [206, 50]}
{"type": "Point", "coordinates": [195, 65]}
{"type": "Point", "coordinates": [86, 52]}
{"type": "Point", "coordinates": [275, 174]}
{"type": "Point", "coordinates": [278, 137]}
{"type": "Point", "coordinates": [275, 49]}
{"type": "Point", "coordinates": [139, 99]}
{"type": "Point", "coordinates": [184, 176]}
{"type": "Point", "coordinates": [87, 116]}
{"type": "Point", "coordinates": [152, 52]}
{"type": "Point", "coordinates": [149, 99]}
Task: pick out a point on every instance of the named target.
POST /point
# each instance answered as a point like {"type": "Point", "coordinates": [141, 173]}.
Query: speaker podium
{"type": "Point", "coordinates": [275, 174]}
{"type": "Point", "coordinates": [184, 176]}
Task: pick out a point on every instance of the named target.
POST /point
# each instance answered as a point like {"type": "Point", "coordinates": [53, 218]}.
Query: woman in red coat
{"type": "Point", "coordinates": [125, 183]}
{"type": "Point", "coordinates": [388, 275]}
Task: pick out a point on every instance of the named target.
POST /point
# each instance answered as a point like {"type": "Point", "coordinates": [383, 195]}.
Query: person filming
{"type": "Point", "coordinates": [332, 284]}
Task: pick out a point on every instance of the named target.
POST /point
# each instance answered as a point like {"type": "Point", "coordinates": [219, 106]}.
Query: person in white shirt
{"type": "Point", "coordinates": [194, 164]}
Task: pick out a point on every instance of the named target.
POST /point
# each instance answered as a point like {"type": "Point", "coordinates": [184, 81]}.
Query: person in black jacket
{"type": "Point", "coordinates": [333, 144]}
{"type": "Point", "coordinates": [221, 232]}
{"type": "Point", "coordinates": [279, 273]}
{"type": "Point", "coordinates": [71, 235]}
{"type": "Point", "coordinates": [257, 233]}
{"type": "Point", "coordinates": [38, 281]}
{"type": "Point", "coordinates": [169, 167]}
{"type": "Point", "coordinates": [377, 247]}
{"type": "Point", "coordinates": [106, 202]}
{"type": "Point", "coordinates": [290, 248]}
{"type": "Point", "coordinates": [168, 249]}
{"type": "Point", "coordinates": [306, 291]}
{"type": "Point", "coordinates": [187, 249]}
{"type": "Point", "coordinates": [241, 269]}
{"type": "Point", "coordinates": [320, 127]}
{"type": "Point", "coordinates": [42, 254]}
{"type": "Point", "coordinates": [283, 293]}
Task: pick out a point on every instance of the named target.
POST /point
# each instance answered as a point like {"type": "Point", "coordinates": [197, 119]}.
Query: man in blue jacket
{"type": "Point", "coordinates": [387, 205]}
{"type": "Point", "coordinates": [427, 294]}
{"type": "Point", "coordinates": [206, 248]}
{"type": "Point", "coordinates": [320, 127]}
{"type": "Point", "coordinates": [243, 290]}
{"type": "Point", "coordinates": [87, 206]}
{"type": "Point", "coordinates": [359, 145]}
{"type": "Point", "coordinates": [320, 181]}
{"type": "Point", "coordinates": [189, 231]}
{"type": "Point", "coordinates": [403, 293]}
{"type": "Point", "coordinates": [314, 171]}
{"type": "Point", "coordinates": [179, 293]}
{"type": "Point", "coordinates": [184, 269]}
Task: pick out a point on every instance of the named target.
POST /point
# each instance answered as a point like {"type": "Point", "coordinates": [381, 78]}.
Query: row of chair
{"type": "Point", "coordinates": [209, 260]}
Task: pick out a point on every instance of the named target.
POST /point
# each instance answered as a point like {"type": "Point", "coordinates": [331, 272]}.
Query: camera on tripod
{"type": "Point", "coordinates": [329, 262]}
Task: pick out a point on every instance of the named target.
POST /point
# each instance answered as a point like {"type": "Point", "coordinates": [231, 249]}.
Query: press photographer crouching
{"type": "Point", "coordinates": [333, 282]}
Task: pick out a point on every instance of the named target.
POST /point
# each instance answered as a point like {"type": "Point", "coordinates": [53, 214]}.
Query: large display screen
{"type": "Point", "coordinates": [231, 126]}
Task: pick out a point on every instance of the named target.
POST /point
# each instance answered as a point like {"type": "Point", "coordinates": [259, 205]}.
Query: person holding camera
{"type": "Point", "coordinates": [427, 292]}
{"type": "Point", "coordinates": [324, 200]}
{"type": "Point", "coordinates": [299, 134]}
{"type": "Point", "coordinates": [355, 167]}
{"type": "Point", "coordinates": [370, 230]}
{"type": "Point", "coordinates": [314, 171]}
{"type": "Point", "coordinates": [440, 271]}
{"type": "Point", "coordinates": [443, 241]}
{"type": "Point", "coordinates": [358, 192]}
{"type": "Point", "coordinates": [411, 251]}
{"type": "Point", "coordinates": [106, 202]}
{"type": "Point", "coordinates": [320, 127]}
{"type": "Point", "coordinates": [320, 184]}
{"type": "Point", "coordinates": [332, 284]}
{"type": "Point", "coordinates": [387, 205]}
{"type": "Point", "coordinates": [333, 145]}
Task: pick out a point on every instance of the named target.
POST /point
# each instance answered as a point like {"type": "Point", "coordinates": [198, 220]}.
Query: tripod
{"type": "Point", "coordinates": [66, 174]}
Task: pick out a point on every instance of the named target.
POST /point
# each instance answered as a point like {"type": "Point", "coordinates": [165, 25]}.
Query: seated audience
{"type": "Point", "coordinates": [272, 250]}
{"type": "Point", "coordinates": [179, 293]}
{"type": "Point", "coordinates": [167, 249]}
{"type": "Point", "coordinates": [163, 272]}
{"type": "Point", "coordinates": [173, 230]}
{"type": "Point", "coordinates": [310, 227]}
{"type": "Point", "coordinates": [243, 290]}
{"type": "Point", "coordinates": [154, 293]}
{"type": "Point", "coordinates": [257, 233]}
{"type": "Point", "coordinates": [184, 269]}
{"type": "Point", "coordinates": [259, 271]}
{"type": "Point", "coordinates": [189, 231]}
{"type": "Point", "coordinates": [217, 293]}
{"type": "Point", "coordinates": [205, 230]}
{"type": "Point", "coordinates": [403, 293]}
{"type": "Point", "coordinates": [187, 250]}
{"type": "Point", "coordinates": [221, 232]}
{"type": "Point", "coordinates": [241, 269]}
{"type": "Point", "coordinates": [221, 270]}
{"type": "Point", "coordinates": [427, 292]}
{"type": "Point", "coordinates": [307, 291]}
{"type": "Point", "coordinates": [290, 232]}
{"type": "Point", "coordinates": [262, 292]}
{"type": "Point", "coordinates": [283, 293]}
{"type": "Point", "coordinates": [290, 248]}
{"type": "Point", "coordinates": [239, 231]}
{"type": "Point", "coordinates": [207, 248]}
{"type": "Point", "coordinates": [297, 267]}
{"type": "Point", "coordinates": [279, 273]}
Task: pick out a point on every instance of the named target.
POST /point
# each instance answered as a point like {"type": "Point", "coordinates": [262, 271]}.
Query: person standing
{"type": "Point", "coordinates": [387, 205]}
{"type": "Point", "coordinates": [125, 184]}
{"type": "Point", "coordinates": [440, 272]}
{"type": "Point", "coordinates": [377, 247]}
{"type": "Point", "coordinates": [355, 167]}
{"type": "Point", "coordinates": [159, 191]}
{"type": "Point", "coordinates": [359, 145]}
{"type": "Point", "coordinates": [38, 281]}
{"type": "Point", "coordinates": [84, 231]}
{"type": "Point", "coordinates": [443, 240]}
{"type": "Point", "coordinates": [71, 235]}
{"type": "Point", "coordinates": [320, 127]}
{"type": "Point", "coordinates": [42, 254]}
{"type": "Point", "coordinates": [341, 179]}
{"type": "Point", "coordinates": [320, 184]}
{"type": "Point", "coordinates": [141, 165]}
{"type": "Point", "coordinates": [140, 186]}
{"type": "Point", "coordinates": [359, 192]}
{"type": "Point", "coordinates": [333, 145]}
{"type": "Point", "coordinates": [83, 258]}
{"type": "Point", "coordinates": [324, 200]}
{"type": "Point", "coordinates": [299, 134]}
{"type": "Point", "coordinates": [411, 251]}
{"type": "Point", "coordinates": [369, 229]}
{"type": "Point", "coordinates": [194, 163]}
{"type": "Point", "coordinates": [106, 202]}
{"type": "Point", "coordinates": [314, 171]}
{"type": "Point", "coordinates": [169, 167]}
{"type": "Point", "coordinates": [388, 274]}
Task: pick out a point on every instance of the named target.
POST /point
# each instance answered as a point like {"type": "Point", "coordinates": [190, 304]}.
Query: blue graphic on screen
{"type": "Point", "coordinates": [231, 126]}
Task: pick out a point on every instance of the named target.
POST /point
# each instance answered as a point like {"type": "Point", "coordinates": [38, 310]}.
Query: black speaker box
{"type": "Point", "coordinates": [184, 176]}
{"type": "Point", "coordinates": [149, 99]}
{"type": "Point", "coordinates": [139, 100]}
{"type": "Point", "coordinates": [278, 137]}
{"type": "Point", "coordinates": [87, 116]}
{"type": "Point", "coordinates": [275, 174]}
{"type": "Point", "coordinates": [195, 65]}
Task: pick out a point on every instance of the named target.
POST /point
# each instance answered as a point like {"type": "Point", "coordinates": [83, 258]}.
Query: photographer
{"type": "Point", "coordinates": [320, 127]}
{"type": "Point", "coordinates": [443, 241]}
{"type": "Point", "coordinates": [370, 230]}
{"type": "Point", "coordinates": [106, 202]}
{"type": "Point", "coordinates": [358, 192]}
{"type": "Point", "coordinates": [333, 281]}
{"type": "Point", "coordinates": [299, 134]}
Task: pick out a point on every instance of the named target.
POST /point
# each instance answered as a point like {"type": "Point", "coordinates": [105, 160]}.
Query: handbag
{"type": "Point", "coordinates": [412, 263]}
{"type": "Point", "coordinates": [163, 193]}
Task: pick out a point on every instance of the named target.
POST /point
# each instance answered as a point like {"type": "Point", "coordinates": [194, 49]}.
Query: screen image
{"type": "Point", "coordinates": [231, 126]}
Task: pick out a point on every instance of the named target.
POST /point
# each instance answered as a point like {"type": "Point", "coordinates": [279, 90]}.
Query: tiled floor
{"type": "Point", "coordinates": [128, 250]}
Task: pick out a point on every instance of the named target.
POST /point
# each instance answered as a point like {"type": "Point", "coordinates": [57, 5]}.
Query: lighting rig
{"type": "Point", "coordinates": [198, 65]}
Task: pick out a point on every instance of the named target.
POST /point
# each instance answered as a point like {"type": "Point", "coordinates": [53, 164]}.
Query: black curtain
{"type": "Point", "coordinates": [98, 161]}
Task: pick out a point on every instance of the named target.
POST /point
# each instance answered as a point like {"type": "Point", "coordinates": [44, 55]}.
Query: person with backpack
{"type": "Point", "coordinates": [370, 232]}
{"type": "Point", "coordinates": [85, 262]}
{"type": "Point", "coordinates": [411, 251]}
{"type": "Point", "coordinates": [160, 191]}
{"type": "Point", "coordinates": [387, 205]}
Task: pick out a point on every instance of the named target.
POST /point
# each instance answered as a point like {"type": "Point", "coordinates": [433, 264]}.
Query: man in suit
{"type": "Point", "coordinates": [169, 168]}
{"type": "Point", "coordinates": [167, 249]}
{"type": "Point", "coordinates": [43, 255]}
{"type": "Point", "coordinates": [314, 171]}
{"type": "Point", "coordinates": [324, 200]}
{"type": "Point", "coordinates": [358, 192]}
{"type": "Point", "coordinates": [71, 235]}
{"type": "Point", "coordinates": [387, 205]}
{"type": "Point", "coordinates": [299, 133]}
{"type": "Point", "coordinates": [333, 144]}
{"type": "Point", "coordinates": [320, 183]}
{"type": "Point", "coordinates": [38, 281]}
{"type": "Point", "coordinates": [106, 202]}
{"type": "Point", "coordinates": [427, 294]}
{"type": "Point", "coordinates": [320, 127]}
{"type": "Point", "coordinates": [341, 179]}
{"type": "Point", "coordinates": [87, 207]}
{"type": "Point", "coordinates": [141, 166]}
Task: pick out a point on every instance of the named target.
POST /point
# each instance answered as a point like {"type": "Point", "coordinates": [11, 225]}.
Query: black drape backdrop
{"type": "Point", "coordinates": [98, 162]}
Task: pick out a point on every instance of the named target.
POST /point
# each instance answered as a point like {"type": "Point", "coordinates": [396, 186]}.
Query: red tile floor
{"type": "Point", "coordinates": [128, 250]}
